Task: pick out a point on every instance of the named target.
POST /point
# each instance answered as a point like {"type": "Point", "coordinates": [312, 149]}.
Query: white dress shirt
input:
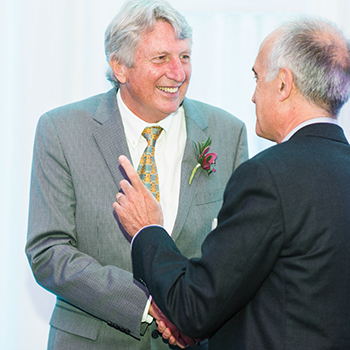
{"type": "Point", "coordinates": [169, 150]}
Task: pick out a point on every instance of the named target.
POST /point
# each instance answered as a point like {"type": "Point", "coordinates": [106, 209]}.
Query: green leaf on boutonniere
{"type": "Point", "coordinates": [205, 160]}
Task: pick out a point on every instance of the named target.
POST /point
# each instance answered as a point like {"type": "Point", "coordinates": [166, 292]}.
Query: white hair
{"type": "Point", "coordinates": [318, 56]}
{"type": "Point", "coordinates": [123, 35]}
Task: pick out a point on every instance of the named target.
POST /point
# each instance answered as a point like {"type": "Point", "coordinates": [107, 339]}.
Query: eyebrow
{"type": "Point", "coordinates": [164, 52]}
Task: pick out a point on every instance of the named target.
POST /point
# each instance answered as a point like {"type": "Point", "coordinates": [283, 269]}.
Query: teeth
{"type": "Point", "coordinates": [170, 90]}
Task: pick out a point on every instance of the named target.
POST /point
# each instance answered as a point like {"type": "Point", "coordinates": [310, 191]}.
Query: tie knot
{"type": "Point", "coordinates": [151, 133]}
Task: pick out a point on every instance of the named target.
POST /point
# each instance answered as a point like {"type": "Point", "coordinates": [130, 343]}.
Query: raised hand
{"type": "Point", "coordinates": [168, 330]}
{"type": "Point", "coordinates": [137, 207]}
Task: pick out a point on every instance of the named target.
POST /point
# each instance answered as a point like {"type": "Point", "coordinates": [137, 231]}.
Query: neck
{"type": "Point", "coordinates": [298, 114]}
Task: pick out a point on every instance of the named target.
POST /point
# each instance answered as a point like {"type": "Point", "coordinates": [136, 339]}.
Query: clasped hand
{"type": "Point", "coordinates": [168, 330]}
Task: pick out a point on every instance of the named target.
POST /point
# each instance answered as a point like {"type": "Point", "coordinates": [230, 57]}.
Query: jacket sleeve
{"type": "Point", "coordinates": [106, 292]}
{"type": "Point", "coordinates": [199, 295]}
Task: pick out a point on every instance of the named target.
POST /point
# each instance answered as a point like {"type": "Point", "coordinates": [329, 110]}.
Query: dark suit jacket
{"type": "Point", "coordinates": [75, 246]}
{"type": "Point", "coordinates": [275, 274]}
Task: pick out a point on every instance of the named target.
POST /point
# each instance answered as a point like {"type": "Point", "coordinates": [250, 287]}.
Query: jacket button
{"type": "Point", "coordinates": [155, 334]}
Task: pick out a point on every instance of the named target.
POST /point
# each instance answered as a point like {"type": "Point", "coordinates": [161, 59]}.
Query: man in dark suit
{"type": "Point", "coordinates": [75, 247]}
{"type": "Point", "coordinates": [274, 274]}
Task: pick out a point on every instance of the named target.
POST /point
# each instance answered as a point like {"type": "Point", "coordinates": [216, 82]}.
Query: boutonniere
{"type": "Point", "coordinates": [205, 160]}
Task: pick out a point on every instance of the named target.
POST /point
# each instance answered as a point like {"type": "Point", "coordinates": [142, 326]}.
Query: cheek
{"type": "Point", "coordinates": [185, 84]}
{"type": "Point", "coordinates": [146, 75]}
{"type": "Point", "coordinates": [188, 72]}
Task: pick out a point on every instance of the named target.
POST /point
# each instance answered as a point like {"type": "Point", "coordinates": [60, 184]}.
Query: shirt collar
{"type": "Point", "coordinates": [309, 122]}
{"type": "Point", "coordinates": [134, 126]}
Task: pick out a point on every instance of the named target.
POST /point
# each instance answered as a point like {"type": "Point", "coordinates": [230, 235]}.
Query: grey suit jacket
{"type": "Point", "coordinates": [77, 249]}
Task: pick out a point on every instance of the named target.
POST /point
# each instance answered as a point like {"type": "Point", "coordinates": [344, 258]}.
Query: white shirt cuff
{"type": "Point", "coordinates": [146, 317]}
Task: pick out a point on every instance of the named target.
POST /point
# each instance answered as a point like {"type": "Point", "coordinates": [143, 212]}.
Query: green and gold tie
{"type": "Point", "coordinates": [147, 169]}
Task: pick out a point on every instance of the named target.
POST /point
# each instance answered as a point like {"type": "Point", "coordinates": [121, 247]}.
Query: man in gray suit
{"type": "Point", "coordinates": [76, 248]}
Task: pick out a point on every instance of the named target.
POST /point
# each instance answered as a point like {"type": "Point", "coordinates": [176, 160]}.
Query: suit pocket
{"type": "Point", "coordinates": [209, 197]}
{"type": "Point", "coordinates": [72, 320]}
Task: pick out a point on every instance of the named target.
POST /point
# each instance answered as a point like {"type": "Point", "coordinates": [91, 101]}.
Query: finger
{"type": "Point", "coordinates": [118, 196]}
{"type": "Point", "coordinates": [117, 208]}
{"type": "Point", "coordinates": [126, 187]}
{"type": "Point", "coordinates": [166, 334]}
{"type": "Point", "coordinates": [161, 326]}
{"type": "Point", "coordinates": [179, 342]}
{"type": "Point", "coordinates": [172, 340]}
{"type": "Point", "coordinates": [180, 345]}
{"type": "Point", "coordinates": [131, 173]}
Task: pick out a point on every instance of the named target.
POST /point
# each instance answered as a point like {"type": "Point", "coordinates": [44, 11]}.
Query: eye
{"type": "Point", "coordinates": [185, 57]}
{"type": "Point", "coordinates": [159, 59]}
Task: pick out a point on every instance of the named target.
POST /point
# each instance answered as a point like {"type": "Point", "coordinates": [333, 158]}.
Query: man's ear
{"type": "Point", "coordinates": [285, 77]}
{"type": "Point", "coordinates": [118, 70]}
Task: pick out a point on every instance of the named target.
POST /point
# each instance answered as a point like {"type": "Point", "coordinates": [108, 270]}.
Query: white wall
{"type": "Point", "coordinates": [52, 54]}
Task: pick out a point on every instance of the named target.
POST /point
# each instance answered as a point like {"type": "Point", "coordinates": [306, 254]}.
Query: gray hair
{"type": "Point", "coordinates": [318, 56]}
{"type": "Point", "coordinates": [124, 34]}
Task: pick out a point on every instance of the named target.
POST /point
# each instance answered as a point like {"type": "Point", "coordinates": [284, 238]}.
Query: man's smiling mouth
{"type": "Point", "coordinates": [167, 89]}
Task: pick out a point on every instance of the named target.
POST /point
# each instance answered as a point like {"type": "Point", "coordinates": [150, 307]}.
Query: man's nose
{"type": "Point", "coordinates": [253, 98]}
{"type": "Point", "coordinates": [176, 71]}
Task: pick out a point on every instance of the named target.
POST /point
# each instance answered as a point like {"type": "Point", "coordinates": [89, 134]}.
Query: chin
{"type": "Point", "coordinates": [170, 109]}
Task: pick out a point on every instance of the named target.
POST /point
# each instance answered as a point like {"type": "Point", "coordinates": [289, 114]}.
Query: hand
{"type": "Point", "coordinates": [137, 207]}
{"type": "Point", "coordinates": [168, 330]}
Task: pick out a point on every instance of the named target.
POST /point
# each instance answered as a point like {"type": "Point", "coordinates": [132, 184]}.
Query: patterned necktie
{"type": "Point", "coordinates": [147, 169]}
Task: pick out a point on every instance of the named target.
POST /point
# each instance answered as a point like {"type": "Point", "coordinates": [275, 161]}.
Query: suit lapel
{"type": "Point", "coordinates": [196, 123]}
{"type": "Point", "coordinates": [110, 136]}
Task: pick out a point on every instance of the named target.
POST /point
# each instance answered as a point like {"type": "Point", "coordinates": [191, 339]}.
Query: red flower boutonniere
{"type": "Point", "coordinates": [205, 160]}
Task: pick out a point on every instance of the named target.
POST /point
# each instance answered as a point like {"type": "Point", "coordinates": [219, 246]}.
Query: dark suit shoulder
{"type": "Point", "coordinates": [323, 156]}
{"type": "Point", "coordinates": [315, 141]}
